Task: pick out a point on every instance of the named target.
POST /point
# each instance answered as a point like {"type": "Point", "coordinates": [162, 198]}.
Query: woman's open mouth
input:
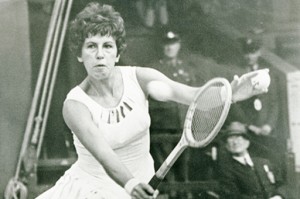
{"type": "Point", "coordinates": [100, 65]}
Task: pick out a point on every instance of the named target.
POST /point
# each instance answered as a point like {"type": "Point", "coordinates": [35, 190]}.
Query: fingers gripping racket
{"type": "Point", "coordinates": [204, 119]}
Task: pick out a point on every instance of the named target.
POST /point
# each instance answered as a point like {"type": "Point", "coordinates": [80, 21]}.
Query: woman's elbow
{"type": "Point", "coordinates": [160, 91]}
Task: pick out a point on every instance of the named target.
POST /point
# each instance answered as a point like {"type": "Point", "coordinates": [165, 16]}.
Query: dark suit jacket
{"type": "Point", "coordinates": [171, 115]}
{"type": "Point", "coordinates": [238, 181]}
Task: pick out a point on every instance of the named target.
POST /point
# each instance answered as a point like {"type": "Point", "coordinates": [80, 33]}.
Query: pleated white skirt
{"type": "Point", "coordinates": [78, 184]}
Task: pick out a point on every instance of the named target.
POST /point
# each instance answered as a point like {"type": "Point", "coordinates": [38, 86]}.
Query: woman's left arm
{"type": "Point", "coordinates": [160, 87]}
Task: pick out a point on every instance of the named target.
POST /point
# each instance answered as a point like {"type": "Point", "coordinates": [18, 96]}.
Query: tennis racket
{"type": "Point", "coordinates": [204, 119]}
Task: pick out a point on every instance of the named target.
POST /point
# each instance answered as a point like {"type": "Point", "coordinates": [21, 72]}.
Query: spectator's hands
{"type": "Point", "coordinates": [255, 129]}
{"type": "Point", "coordinates": [266, 130]}
{"type": "Point", "coordinates": [144, 191]}
{"type": "Point", "coordinates": [276, 197]}
{"type": "Point", "coordinates": [243, 87]}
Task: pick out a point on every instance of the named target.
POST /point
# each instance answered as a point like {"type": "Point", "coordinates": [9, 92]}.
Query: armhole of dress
{"type": "Point", "coordinates": [75, 100]}
{"type": "Point", "coordinates": [77, 96]}
{"type": "Point", "coordinates": [134, 74]}
{"type": "Point", "coordinates": [87, 105]}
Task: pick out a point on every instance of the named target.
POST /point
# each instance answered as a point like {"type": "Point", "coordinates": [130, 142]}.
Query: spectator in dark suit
{"type": "Point", "coordinates": [259, 112]}
{"type": "Point", "coordinates": [169, 117]}
{"type": "Point", "coordinates": [243, 176]}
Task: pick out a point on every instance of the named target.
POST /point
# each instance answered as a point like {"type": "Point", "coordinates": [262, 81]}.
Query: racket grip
{"type": "Point", "coordinates": [154, 182]}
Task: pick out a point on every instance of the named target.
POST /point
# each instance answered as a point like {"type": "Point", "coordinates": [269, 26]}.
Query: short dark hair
{"type": "Point", "coordinates": [96, 19]}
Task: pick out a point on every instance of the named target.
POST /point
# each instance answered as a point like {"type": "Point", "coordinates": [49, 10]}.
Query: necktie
{"type": "Point", "coordinates": [247, 162]}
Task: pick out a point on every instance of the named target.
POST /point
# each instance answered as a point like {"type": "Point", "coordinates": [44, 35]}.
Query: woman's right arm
{"type": "Point", "coordinates": [79, 120]}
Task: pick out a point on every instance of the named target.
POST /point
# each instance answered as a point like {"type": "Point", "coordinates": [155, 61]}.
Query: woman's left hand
{"type": "Point", "coordinates": [243, 87]}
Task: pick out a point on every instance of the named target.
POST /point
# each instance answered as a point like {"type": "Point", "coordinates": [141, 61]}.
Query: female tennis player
{"type": "Point", "coordinates": [108, 112]}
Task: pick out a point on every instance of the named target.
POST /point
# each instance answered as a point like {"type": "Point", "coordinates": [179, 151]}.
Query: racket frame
{"type": "Point", "coordinates": [187, 137]}
{"type": "Point", "coordinates": [225, 90]}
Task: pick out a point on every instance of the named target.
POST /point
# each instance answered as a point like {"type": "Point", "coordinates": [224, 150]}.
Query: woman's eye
{"type": "Point", "coordinates": [108, 46]}
{"type": "Point", "coordinates": [91, 46]}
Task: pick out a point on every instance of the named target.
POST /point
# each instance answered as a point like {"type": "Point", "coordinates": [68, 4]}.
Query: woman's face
{"type": "Point", "coordinates": [99, 55]}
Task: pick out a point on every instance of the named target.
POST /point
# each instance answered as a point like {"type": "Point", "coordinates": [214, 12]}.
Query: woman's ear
{"type": "Point", "coordinates": [79, 59]}
{"type": "Point", "coordinates": [117, 58]}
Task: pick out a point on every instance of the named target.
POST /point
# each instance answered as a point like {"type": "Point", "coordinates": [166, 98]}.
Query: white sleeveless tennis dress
{"type": "Point", "coordinates": [127, 132]}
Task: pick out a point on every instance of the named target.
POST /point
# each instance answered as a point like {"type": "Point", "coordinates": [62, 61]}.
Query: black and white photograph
{"type": "Point", "coordinates": [150, 99]}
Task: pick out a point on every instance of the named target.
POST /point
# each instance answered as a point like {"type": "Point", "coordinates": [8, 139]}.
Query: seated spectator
{"type": "Point", "coordinates": [243, 176]}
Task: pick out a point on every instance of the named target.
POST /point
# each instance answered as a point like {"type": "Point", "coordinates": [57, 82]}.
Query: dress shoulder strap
{"type": "Point", "coordinates": [77, 94]}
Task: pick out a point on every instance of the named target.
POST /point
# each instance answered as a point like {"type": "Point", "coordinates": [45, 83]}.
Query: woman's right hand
{"type": "Point", "coordinates": [144, 191]}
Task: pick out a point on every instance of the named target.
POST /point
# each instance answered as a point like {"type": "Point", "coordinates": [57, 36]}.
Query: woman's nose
{"type": "Point", "coordinates": [99, 53]}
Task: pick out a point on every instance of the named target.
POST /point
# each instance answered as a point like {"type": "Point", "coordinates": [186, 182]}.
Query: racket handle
{"type": "Point", "coordinates": [154, 182]}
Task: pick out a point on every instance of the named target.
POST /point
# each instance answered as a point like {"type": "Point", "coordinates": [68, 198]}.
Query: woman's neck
{"type": "Point", "coordinates": [105, 87]}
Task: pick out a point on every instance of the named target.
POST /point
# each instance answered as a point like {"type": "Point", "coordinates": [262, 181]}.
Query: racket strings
{"type": "Point", "coordinates": [208, 110]}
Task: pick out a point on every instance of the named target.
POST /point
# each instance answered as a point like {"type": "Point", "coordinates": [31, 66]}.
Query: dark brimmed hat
{"type": "Point", "coordinates": [250, 45]}
{"type": "Point", "coordinates": [235, 128]}
{"type": "Point", "coordinates": [170, 37]}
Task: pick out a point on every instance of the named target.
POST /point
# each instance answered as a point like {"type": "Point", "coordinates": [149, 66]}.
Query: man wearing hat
{"type": "Point", "coordinates": [251, 49]}
{"type": "Point", "coordinates": [242, 176]}
{"type": "Point", "coordinates": [170, 62]}
{"type": "Point", "coordinates": [169, 117]}
{"type": "Point", "coordinates": [259, 112]}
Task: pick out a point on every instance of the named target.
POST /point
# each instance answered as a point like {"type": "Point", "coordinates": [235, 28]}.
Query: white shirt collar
{"type": "Point", "coordinates": [245, 160]}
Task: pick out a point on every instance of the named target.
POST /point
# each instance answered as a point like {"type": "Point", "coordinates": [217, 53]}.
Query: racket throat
{"type": "Point", "coordinates": [171, 159]}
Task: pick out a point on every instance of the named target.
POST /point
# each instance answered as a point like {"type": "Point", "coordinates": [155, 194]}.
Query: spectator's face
{"type": "Point", "coordinates": [172, 50]}
{"type": "Point", "coordinates": [252, 58]}
{"type": "Point", "coordinates": [237, 144]}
